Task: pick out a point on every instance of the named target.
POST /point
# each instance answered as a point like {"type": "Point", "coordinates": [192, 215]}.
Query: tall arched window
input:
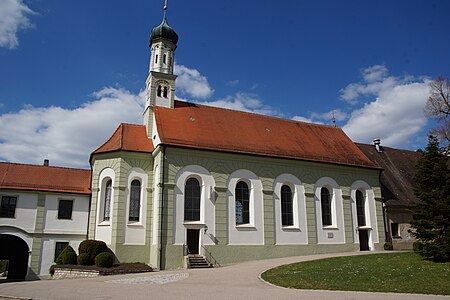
{"type": "Point", "coordinates": [158, 93]}
{"type": "Point", "coordinates": [360, 208]}
{"type": "Point", "coordinates": [242, 195]}
{"type": "Point", "coordinates": [192, 200]}
{"type": "Point", "coordinates": [135, 200]}
{"type": "Point", "coordinates": [107, 201]}
{"type": "Point", "coordinates": [325, 202]}
{"type": "Point", "coordinates": [287, 216]}
{"type": "Point", "coordinates": [165, 92]}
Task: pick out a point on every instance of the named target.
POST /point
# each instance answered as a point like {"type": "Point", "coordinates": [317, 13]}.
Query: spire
{"type": "Point", "coordinates": [165, 9]}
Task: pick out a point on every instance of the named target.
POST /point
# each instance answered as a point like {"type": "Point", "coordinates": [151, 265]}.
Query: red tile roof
{"type": "Point", "coordinates": [204, 127]}
{"type": "Point", "coordinates": [15, 176]}
{"type": "Point", "coordinates": [127, 137]}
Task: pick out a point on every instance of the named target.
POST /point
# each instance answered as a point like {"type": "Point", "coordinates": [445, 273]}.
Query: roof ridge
{"type": "Point", "coordinates": [261, 115]}
{"type": "Point", "coordinates": [32, 165]}
{"type": "Point", "coordinates": [111, 136]}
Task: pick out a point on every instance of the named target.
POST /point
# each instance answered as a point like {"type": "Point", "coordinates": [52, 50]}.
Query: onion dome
{"type": "Point", "coordinates": [164, 31]}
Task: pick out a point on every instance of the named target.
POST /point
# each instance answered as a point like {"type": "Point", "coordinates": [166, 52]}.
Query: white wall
{"type": "Point", "coordinates": [207, 205]}
{"type": "Point", "coordinates": [335, 233]}
{"type": "Point", "coordinates": [76, 225]}
{"type": "Point", "coordinates": [25, 216]}
{"type": "Point", "coordinates": [135, 230]}
{"type": "Point", "coordinates": [252, 233]}
{"type": "Point", "coordinates": [297, 233]}
{"type": "Point", "coordinates": [48, 251]}
{"type": "Point", "coordinates": [103, 229]}
{"type": "Point", "coordinates": [370, 212]}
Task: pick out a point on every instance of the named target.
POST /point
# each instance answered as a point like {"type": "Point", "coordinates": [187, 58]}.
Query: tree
{"type": "Point", "coordinates": [431, 218]}
{"type": "Point", "coordinates": [438, 107]}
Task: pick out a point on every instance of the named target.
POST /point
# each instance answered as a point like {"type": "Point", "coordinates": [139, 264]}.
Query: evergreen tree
{"type": "Point", "coordinates": [431, 218]}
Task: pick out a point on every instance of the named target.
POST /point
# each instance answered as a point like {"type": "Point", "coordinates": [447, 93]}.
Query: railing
{"type": "Point", "coordinates": [210, 258]}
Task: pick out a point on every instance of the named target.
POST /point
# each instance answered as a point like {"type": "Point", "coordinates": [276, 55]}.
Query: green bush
{"type": "Point", "coordinates": [85, 260]}
{"type": "Point", "coordinates": [104, 259]}
{"type": "Point", "coordinates": [417, 247]}
{"type": "Point", "coordinates": [67, 257]}
{"type": "Point", "coordinates": [92, 247]}
{"type": "Point", "coordinates": [388, 246]}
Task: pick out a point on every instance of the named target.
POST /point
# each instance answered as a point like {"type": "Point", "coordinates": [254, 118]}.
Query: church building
{"type": "Point", "coordinates": [227, 185]}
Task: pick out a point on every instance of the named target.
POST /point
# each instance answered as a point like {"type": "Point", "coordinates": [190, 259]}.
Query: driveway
{"type": "Point", "coordinates": [239, 281]}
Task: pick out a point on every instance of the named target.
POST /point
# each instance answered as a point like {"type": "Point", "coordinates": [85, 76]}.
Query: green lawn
{"type": "Point", "coordinates": [404, 272]}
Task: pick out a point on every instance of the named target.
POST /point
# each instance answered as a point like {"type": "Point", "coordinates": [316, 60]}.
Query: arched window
{"type": "Point", "coordinates": [287, 216]}
{"type": "Point", "coordinates": [135, 200]}
{"type": "Point", "coordinates": [325, 201]}
{"type": "Point", "coordinates": [165, 92]}
{"type": "Point", "coordinates": [360, 208]}
{"type": "Point", "coordinates": [156, 58]}
{"type": "Point", "coordinates": [107, 201]}
{"type": "Point", "coordinates": [158, 93]}
{"type": "Point", "coordinates": [242, 203]}
{"type": "Point", "coordinates": [164, 59]}
{"type": "Point", "coordinates": [192, 200]}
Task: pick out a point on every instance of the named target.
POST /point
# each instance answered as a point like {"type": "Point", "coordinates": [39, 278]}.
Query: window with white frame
{"type": "Point", "coordinates": [192, 195]}
{"type": "Point", "coordinates": [107, 201]}
{"type": "Point", "coordinates": [287, 211]}
{"type": "Point", "coordinates": [325, 203]}
{"type": "Point", "coordinates": [242, 203]}
{"type": "Point", "coordinates": [135, 201]}
{"type": "Point", "coordinates": [360, 208]}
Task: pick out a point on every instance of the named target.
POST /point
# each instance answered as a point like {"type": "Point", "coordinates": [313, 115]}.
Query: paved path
{"type": "Point", "coordinates": [239, 281]}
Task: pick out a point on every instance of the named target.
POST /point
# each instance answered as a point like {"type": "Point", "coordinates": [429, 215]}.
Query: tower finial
{"type": "Point", "coordinates": [334, 118]}
{"type": "Point", "coordinates": [165, 8]}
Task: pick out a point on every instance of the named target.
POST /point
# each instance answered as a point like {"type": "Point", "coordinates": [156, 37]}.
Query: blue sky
{"type": "Point", "coordinates": [71, 71]}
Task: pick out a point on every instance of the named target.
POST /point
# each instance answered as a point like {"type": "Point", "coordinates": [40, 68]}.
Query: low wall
{"type": "Point", "coordinates": [74, 273]}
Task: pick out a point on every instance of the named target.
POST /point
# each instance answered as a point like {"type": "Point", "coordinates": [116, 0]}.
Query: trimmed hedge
{"type": "Point", "coordinates": [92, 248]}
{"type": "Point", "coordinates": [67, 257]}
{"type": "Point", "coordinates": [104, 259]}
{"type": "Point", "coordinates": [85, 260]}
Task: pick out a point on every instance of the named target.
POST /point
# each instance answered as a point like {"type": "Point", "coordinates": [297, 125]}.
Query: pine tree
{"type": "Point", "coordinates": [431, 218]}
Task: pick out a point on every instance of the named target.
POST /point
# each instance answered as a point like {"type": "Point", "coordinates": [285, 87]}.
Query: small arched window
{"type": "Point", "coordinates": [242, 203]}
{"type": "Point", "coordinates": [164, 59]}
{"type": "Point", "coordinates": [107, 201]}
{"type": "Point", "coordinates": [325, 201]}
{"type": "Point", "coordinates": [165, 92]}
{"type": "Point", "coordinates": [158, 92]}
{"type": "Point", "coordinates": [156, 58]}
{"type": "Point", "coordinates": [135, 200]}
{"type": "Point", "coordinates": [360, 208]}
{"type": "Point", "coordinates": [287, 216]}
{"type": "Point", "coordinates": [192, 200]}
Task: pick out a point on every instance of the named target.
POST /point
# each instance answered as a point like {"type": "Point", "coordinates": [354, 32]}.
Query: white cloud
{"type": "Point", "coordinates": [395, 114]}
{"type": "Point", "coordinates": [375, 79]}
{"type": "Point", "coordinates": [13, 17]}
{"type": "Point", "coordinates": [303, 119]}
{"type": "Point", "coordinates": [232, 82]}
{"type": "Point", "coordinates": [67, 136]}
{"type": "Point", "coordinates": [323, 118]}
{"type": "Point", "coordinates": [243, 102]}
{"type": "Point", "coordinates": [190, 82]}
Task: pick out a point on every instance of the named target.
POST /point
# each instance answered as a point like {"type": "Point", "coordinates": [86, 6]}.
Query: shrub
{"type": "Point", "coordinates": [67, 257]}
{"type": "Point", "coordinates": [417, 247]}
{"type": "Point", "coordinates": [388, 246]}
{"type": "Point", "coordinates": [104, 259]}
{"type": "Point", "coordinates": [51, 270]}
{"type": "Point", "coordinates": [92, 247]}
{"type": "Point", "coordinates": [4, 265]}
{"type": "Point", "coordinates": [85, 260]}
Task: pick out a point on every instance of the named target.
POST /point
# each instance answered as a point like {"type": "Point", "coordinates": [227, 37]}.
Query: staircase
{"type": "Point", "coordinates": [196, 261]}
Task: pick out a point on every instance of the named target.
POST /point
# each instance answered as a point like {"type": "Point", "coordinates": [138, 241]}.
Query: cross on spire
{"type": "Point", "coordinates": [165, 8]}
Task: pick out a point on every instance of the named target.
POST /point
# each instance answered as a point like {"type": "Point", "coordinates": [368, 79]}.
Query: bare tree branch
{"type": "Point", "coordinates": [438, 107]}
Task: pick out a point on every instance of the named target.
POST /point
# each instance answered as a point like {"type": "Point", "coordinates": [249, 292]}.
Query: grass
{"type": "Point", "coordinates": [404, 272]}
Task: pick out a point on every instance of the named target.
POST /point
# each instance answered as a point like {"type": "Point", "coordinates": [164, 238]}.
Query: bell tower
{"type": "Point", "coordinates": [160, 83]}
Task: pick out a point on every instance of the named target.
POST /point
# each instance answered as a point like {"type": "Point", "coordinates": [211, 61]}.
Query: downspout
{"type": "Point", "coordinates": [162, 210]}
{"type": "Point", "coordinates": [385, 220]}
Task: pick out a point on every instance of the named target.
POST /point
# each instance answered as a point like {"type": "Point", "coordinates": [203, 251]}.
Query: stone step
{"type": "Point", "coordinates": [196, 261]}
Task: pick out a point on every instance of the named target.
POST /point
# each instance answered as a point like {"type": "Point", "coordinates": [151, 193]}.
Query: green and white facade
{"type": "Point", "coordinates": [139, 198]}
